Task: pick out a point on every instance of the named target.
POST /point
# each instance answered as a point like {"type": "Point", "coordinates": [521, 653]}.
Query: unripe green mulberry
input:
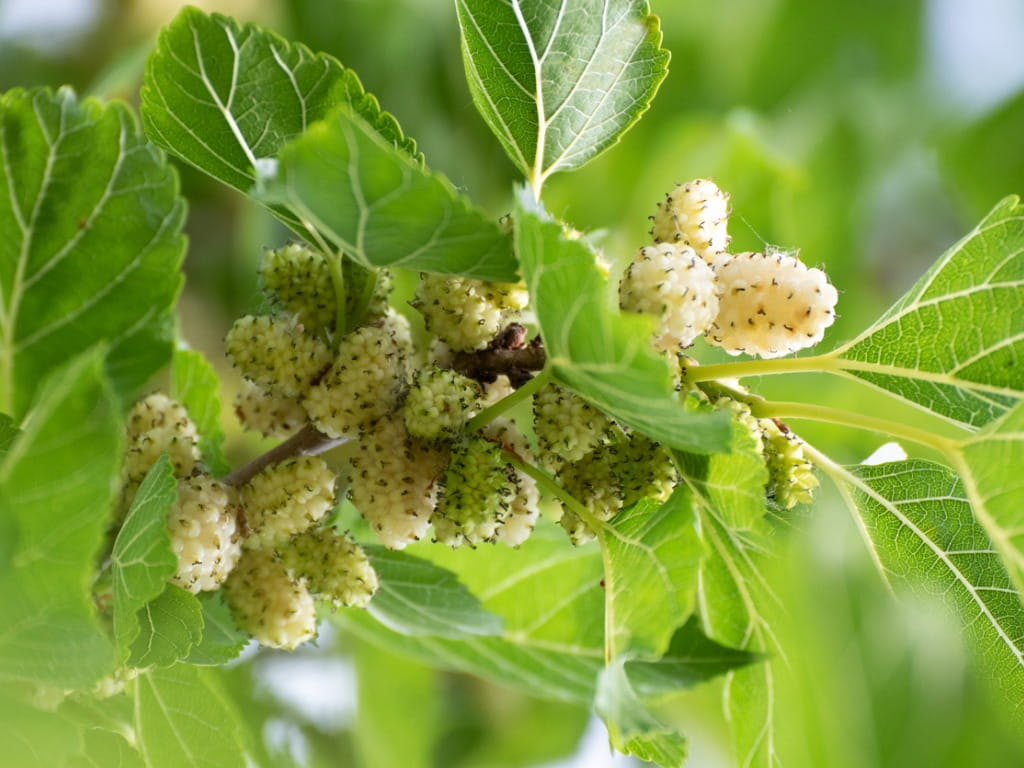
{"type": "Point", "coordinates": [203, 524]}
{"type": "Point", "coordinates": [158, 424]}
{"type": "Point", "coordinates": [771, 305]}
{"type": "Point", "coordinates": [269, 414]}
{"type": "Point", "coordinates": [394, 482]}
{"type": "Point", "coordinates": [439, 403]}
{"type": "Point", "coordinates": [524, 507]}
{"type": "Point", "coordinates": [287, 498]}
{"type": "Point", "coordinates": [566, 425]}
{"type": "Point", "coordinates": [475, 496]}
{"type": "Point", "coordinates": [694, 214]}
{"type": "Point", "coordinates": [299, 278]}
{"type": "Point", "coordinates": [645, 470]}
{"type": "Point", "coordinates": [791, 479]}
{"type": "Point", "coordinates": [741, 413]}
{"type": "Point", "coordinates": [593, 480]}
{"type": "Point", "coordinates": [466, 314]}
{"type": "Point", "coordinates": [364, 383]}
{"type": "Point", "coordinates": [276, 353]}
{"type": "Point", "coordinates": [674, 285]}
{"type": "Point", "coordinates": [333, 565]}
{"type": "Point", "coordinates": [269, 603]}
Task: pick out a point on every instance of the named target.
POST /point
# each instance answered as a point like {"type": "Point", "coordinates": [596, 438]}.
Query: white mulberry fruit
{"type": "Point", "coordinates": [203, 524]}
{"type": "Point", "coordinates": [645, 470]}
{"type": "Point", "coordinates": [269, 603]}
{"type": "Point", "coordinates": [299, 278]}
{"type": "Point", "coordinates": [695, 214]}
{"type": "Point", "coordinates": [467, 314]}
{"type": "Point", "coordinates": [156, 424]}
{"type": "Point", "coordinates": [524, 507]}
{"type": "Point", "coordinates": [287, 498]}
{"type": "Point", "coordinates": [439, 403]}
{"type": "Point", "coordinates": [333, 565]}
{"type": "Point", "coordinates": [364, 383]}
{"type": "Point", "coordinates": [269, 414]}
{"type": "Point", "coordinates": [476, 492]}
{"type": "Point", "coordinates": [567, 426]}
{"type": "Point", "coordinates": [674, 285]}
{"type": "Point", "coordinates": [394, 482]}
{"type": "Point", "coordinates": [791, 478]}
{"type": "Point", "coordinates": [771, 305]}
{"type": "Point", "coordinates": [276, 353]}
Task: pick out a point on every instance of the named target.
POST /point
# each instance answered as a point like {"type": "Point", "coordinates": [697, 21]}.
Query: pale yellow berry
{"type": "Point", "coordinates": [157, 424]}
{"type": "Point", "coordinates": [299, 278]}
{"type": "Point", "coordinates": [438, 403]}
{"type": "Point", "coordinates": [524, 506]}
{"type": "Point", "coordinates": [695, 214]}
{"type": "Point", "coordinates": [287, 498]}
{"type": "Point", "coordinates": [467, 314]}
{"type": "Point", "coordinates": [204, 529]}
{"type": "Point", "coordinates": [269, 414]}
{"type": "Point", "coordinates": [476, 493]}
{"type": "Point", "coordinates": [791, 478]}
{"type": "Point", "coordinates": [567, 426]}
{"type": "Point", "coordinates": [771, 305]}
{"type": "Point", "coordinates": [334, 566]}
{"type": "Point", "coordinates": [674, 285]}
{"type": "Point", "coordinates": [269, 603]}
{"type": "Point", "coordinates": [276, 353]}
{"type": "Point", "coordinates": [394, 482]}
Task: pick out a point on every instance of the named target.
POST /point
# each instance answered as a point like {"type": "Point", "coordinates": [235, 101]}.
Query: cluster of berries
{"type": "Point", "coordinates": [262, 542]}
{"type": "Point", "coordinates": [763, 304]}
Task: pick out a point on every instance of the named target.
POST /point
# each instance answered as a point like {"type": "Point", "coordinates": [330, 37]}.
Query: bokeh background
{"type": "Point", "coordinates": [869, 134]}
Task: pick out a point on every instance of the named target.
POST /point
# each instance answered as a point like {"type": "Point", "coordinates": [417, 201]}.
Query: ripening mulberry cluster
{"type": "Point", "coordinates": [760, 304]}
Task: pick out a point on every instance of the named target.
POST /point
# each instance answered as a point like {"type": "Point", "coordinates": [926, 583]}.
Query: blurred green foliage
{"type": "Point", "coordinates": [830, 127]}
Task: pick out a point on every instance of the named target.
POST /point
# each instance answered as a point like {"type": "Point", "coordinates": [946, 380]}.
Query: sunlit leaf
{"type": "Point", "coordinates": [596, 350]}
{"type": "Point", "coordinates": [90, 242]}
{"type": "Point", "coordinates": [924, 535]}
{"type": "Point", "coordinates": [169, 627]}
{"type": "Point", "coordinates": [381, 208]}
{"type": "Point", "coordinates": [142, 560]}
{"type": "Point", "coordinates": [417, 597]}
{"type": "Point", "coordinates": [224, 96]}
{"type": "Point", "coordinates": [57, 484]}
{"type": "Point", "coordinates": [222, 640]}
{"type": "Point", "coordinates": [955, 343]}
{"type": "Point", "coordinates": [559, 82]}
{"type": "Point", "coordinates": [654, 554]}
{"type": "Point", "coordinates": [183, 718]}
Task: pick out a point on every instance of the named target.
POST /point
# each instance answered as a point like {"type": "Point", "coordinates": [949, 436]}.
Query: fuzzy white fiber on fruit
{"type": "Point", "coordinates": [771, 305]}
{"type": "Point", "coordinates": [466, 314]}
{"type": "Point", "coordinates": [673, 284]}
{"type": "Point", "coordinates": [203, 524]}
{"type": "Point", "coordinates": [694, 214]}
{"type": "Point", "coordinates": [394, 482]}
{"type": "Point", "coordinates": [269, 602]}
{"type": "Point", "coordinates": [287, 498]}
{"type": "Point", "coordinates": [364, 383]}
{"type": "Point", "coordinates": [275, 352]}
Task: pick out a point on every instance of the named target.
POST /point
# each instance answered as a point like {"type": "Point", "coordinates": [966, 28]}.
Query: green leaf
{"type": "Point", "coordinates": [692, 657]}
{"type": "Point", "coordinates": [380, 207]}
{"type": "Point", "coordinates": [596, 350]}
{"type": "Point", "coordinates": [8, 431]}
{"type": "Point", "coordinates": [222, 640]}
{"type": "Point", "coordinates": [183, 718]}
{"type": "Point", "coordinates": [416, 597]}
{"type": "Point", "coordinates": [224, 97]}
{"type": "Point", "coordinates": [654, 553]}
{"type": "Point", "coordinates": [735, 602]}
{"type": "Point", "coordinates": [169, 627]}
{"type": "Point", "coordinates": [57, 484]}
{"type": "Point", "coordinates": [920, 349]}
{"type": "Point", "coordinates": [33, 738]}
{"type": "Point", "coordinates": [90, 242]}
{"type": "Point", "coordinates": [195, 385]}
{"type": "Point", "coordinates": [558, 83]}
{"type": "Point", "coordinates": [996, 493]}
{"type": "Point", "coordinates": [632, 727]}
{"type": "Point", "coordinates": [732, 483]}
{"type": "Point", "coordinates": [919, 520]}
{"type": "Point", "coordinates": [105, 749]}
{"type": "Point", "coordinates": [142, 560]}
